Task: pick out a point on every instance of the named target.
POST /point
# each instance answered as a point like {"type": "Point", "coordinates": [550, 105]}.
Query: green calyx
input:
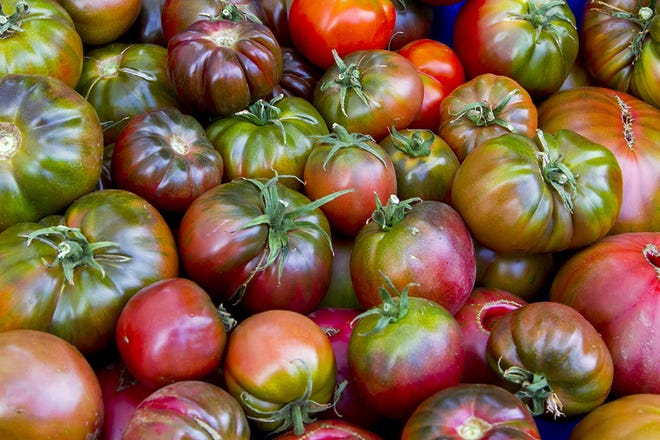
{"type": "Point", "coordinates": [542, 19]}
{"type": "Point", "coordinates": [483, 114]}
{"type": "Point", "coordinates": [262, 112]}
{"type": "Point", "coordinates": [534, 391]}
{"type": "Point", "coordinates": [393, 212]}
{"type": "Point", "coordinates": [11, 23]}
{"type": "Point", "coordinates": [231, 12]}
{"type": "Point", "coordinates": [415, 145]}
{"type": "Point", "coordinates": [556, 174]}
{"type": "Point", "coordinates": [74, 250]}
{"type": "Point", "coordinates": [341, 138]}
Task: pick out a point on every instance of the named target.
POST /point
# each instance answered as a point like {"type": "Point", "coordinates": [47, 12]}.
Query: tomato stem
{"type": "Point", "coordinates": [12, 23]}
{"type": "Point", "coordinates": [415, 145]}
{"type": "Point", "coordinates": [393, 212]}
{"type": "Point", "coordinates": [541, 18]}
{"type": "Point", "coordinates": [483, 114]}
{"type": "Point", "coordinates": [556, 174]}
{"type": "Point", "coordinates": [341, 138]}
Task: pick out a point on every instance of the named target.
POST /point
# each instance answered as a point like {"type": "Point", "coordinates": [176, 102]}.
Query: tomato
{"type": "Point", "coordinates": [343, 26]}
{"type": "Point", "coordinates": [629, 128]}
{"type": "Point", "coordinates": [188, 409]}
{"type": "Point", "coordinates": [101, 22]}
{"type": "Point", "coordinates": [176, 310]}
{"type": "Point", "coordinates": [147, 28]}
{"type": "Point", "coordinates": [421, 242]}
{"type": "Point", "coordinates": [403, 351]}
{"type": "Point", "coordinates": [423, 162]}
{"type": "Point", "coordinates": [413, 22]}
{"type": "Point", "coordinates": [257, 244]}
{"type": "Point", "coordinates": [353, 162]}
{"type": "Point", "coordinates": [620, 43]}
{"type": "Point", "coordinates": [333, 429]}
{"type": "Point", "coordinates": [633, 417]}
{"type": "Point", "coordinates": [484, 107]}
{"type": "Point", "coordinates": [165, 156]}
{"type": "Point", "coordinates": [614, 283]}
{"type": "Point", "coordinates": [547, 194]}
{"type": "Point", "coordinates": [73, 277]}
{"type": "Point", "coordinates": [535, 42]}
{"type": "Point", "coordinates": [437, 60]}
{"type": "Point", "coordinates": [268, 138]}
{"type": "Point", "coordinates": [276, 14]}
{"type": "Point", "coordinates": [51, 147]}
{"type": "Point", "coordinates": [340, 291]}
{"type": "Point", "coordinates": [299, 76]}
{"type": "Point", "coordinates": [39, 38]}
{"type": "Point", "coordinates": [220, 67]}
{"type": "Point", "coordinates": [370, 91]}
{"type": "Point", "coordinates": [49, 390]}
{"type": "Point", "coordinates": [280, 366]}
{"type": "Point", "coordinates": [474, 411]}
{"type": "Point", "coordinates": [552, 358]}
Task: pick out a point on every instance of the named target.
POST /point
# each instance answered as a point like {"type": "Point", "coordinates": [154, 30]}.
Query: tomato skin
{"type": "Point", "coordinates": [188, 409]}
{"type": "Point", "coordinates": [554, 340]}
{"type": "Point", "coordinates": [413, 22]}
{"type": "Point", "coordinates": [482, 410]}
{"type": "Point", "coordinates": [102, 22]}
{"type": "Point", "coordinates": [633, 417]}
{"type": "Point", "coordinates": [147, 28]}
{"type": "Point", "coordinates": [331, 429]}
{"type": "Point", "coordinates": [36, 369]}
{"type": "Point", "coordinates": [343, 25]}
{"type": "Point", "coordinates": [614, 284]}
{"type": "Point", "coordinates": [46, 43]}
{"type": "Point", "coordinates": [299, 76]}
{"type": "Point", "coordinates": [437, 60]}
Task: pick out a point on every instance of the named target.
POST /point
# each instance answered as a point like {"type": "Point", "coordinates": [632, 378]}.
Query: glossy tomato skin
{"type": "Point", "coordinates": [331, 429]}
{"type": "Point", "coordinates": [628, 127]}
{"type": "Point", "coordinates": [508, 192]}
{"type": "Point", "coordinates": [479, 411]}
{"type": "Point", "coordinates": [220, 67]}
{"type": "Point", "coordinates": [553, 340]}
{"type": "Point", "coordinates": [535, 42]}
{"type": "Point", "coordinates": [176, 310]}
{"type": "Point", "coordinates": [49, 390]}
{"type": "Point", "coordinates": [633, 417]}
{"type": "Point", "coordinates": [277, 357]}
{"type": "Point", "coordinates": [52, 147]}
{"type": "Point", "coordinates": [276, 14]}
{"type": "Point", "coordinates": [102, 22]}
{"type": "Point", "coordinates": [147, 28]}
{"type": "Point", "coordinates": [43, 26]}
{"type": "Point", "coordinates": [437, 60]}
{"type": "Point", "coordinates": [188, 409]}
{"type": "Point", "coordinates": [165, 156]}
{"type": "Point", "coordinates": [299, 76]}
{"type": "Point", "coordinates": [388, 93]}
{"type": "Point", "coordinates": [614, 284]}
{"type": "Point", "coordinates": [82, 306]}
{"type": "Point", "coordinates": [345, 26]}
{"type": "Point", "coordinates": [413, 22]}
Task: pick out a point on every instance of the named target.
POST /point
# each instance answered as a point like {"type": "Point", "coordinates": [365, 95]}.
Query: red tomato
{"type": "Point", "coordinates": [334, 429]}
{"type": "Point", "coordinates": [437, 60]}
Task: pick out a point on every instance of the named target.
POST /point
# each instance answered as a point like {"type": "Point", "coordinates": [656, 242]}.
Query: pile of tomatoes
{"type": "Point", "coordinates": [318, 219]}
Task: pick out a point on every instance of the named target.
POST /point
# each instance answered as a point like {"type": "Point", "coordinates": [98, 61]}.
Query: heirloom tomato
{"type": "Point", "coordinates": [51, 147]}
{"type": "Point", "coordinates": [268, 138]}
{"type": "Point", "coordinates": [48, 390]}
{"type": "Point", "coordinates": [627, 126]}
{"type": "Point", "coordinates": [471, 411]}
{"type": "Point", "coordinates": [547, 194]}
{"type": "Point", "coordinates": [340, 292]}
{"type": "Point", "coordinates": [370, 91]}
{"type": "Point", "coordinates": [402, 351]}
{"type": "Point", "coordinates": [299, 76]}
{"type": "Point", "coordinates": [122, 80]}
{"type": "Point", "coordinates": [620, 45]}
{"type": "Point", "coordinates": [276, 14]}
{"type": "Point", "coordinates": [343, 26]}
{"type": "Point", "coordinates": [552, 358]}
{"type": "Point", "coordinates": [331, 429]}
{"type": "Point", "coordinates": [258, 244]}
{"type": "Point", "coordinates": [615, 284]}
{"type": "Point", "coordinates": [535, 42]}
{"type": "Point", "coordinates": [432, 248]}
{"type": "Point", "coordinates": [344, 161]}
{"type": "Point", "coordinates": [147, 28]}
{"type": "Point", "coordinates": [280, 366]}
{"type": "Point", "coordinates": [188, 409]}
{"type": "Point", "coordinates": [73, 277]}
{"type": "Point", "coordinates": [40, 38]}
{"type": "Point", "coordinates": [165, 156]}
{"type": "Point", "coordinates": [413, 22]}
{"type": "Point", "coordinates": [484, 107]}
{"type": "Point", "coordinates": [101, 22]}
{"type": "Point", "coordinates": [220, 67]}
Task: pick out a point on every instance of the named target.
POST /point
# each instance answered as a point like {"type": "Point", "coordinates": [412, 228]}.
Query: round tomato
{"type": "Point", "coordinates": [40, 38]}
{"type": "Point", "coordinates": [437, 60]}
{"type": "Point", "coordinates": [340, 292]}
{"type": "Point", "coordinates": [276, 14]}
{"type": "Point", "coordinates": [280, 366]}
{"type": "Point", "coordinates": [147, 27]}
{"type": "Point", "coordinates": [51, 147]}
{"type": "Point", "coordinates": [370, 91]}
{"type": "Point", "coordinates": [342, 26]}
{"type": "Point", "coordinates": [49, 390]}
{"type": "Point", "coordinates": [547, 194]}
{"type": "Point", "coordinates": [413, 22]}
{"type": "Point", "coordinates": [101, 22]}
{"type": "Point", "coordinates": [331, 429]}
{"type": "Point", "coordinates": [299, 76]}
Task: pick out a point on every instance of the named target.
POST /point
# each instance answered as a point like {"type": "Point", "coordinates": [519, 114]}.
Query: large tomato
{"type": "Point", "coordinates": [629, 128]}
{"type": "Point", "coordinates": [280, 366]}
{"type": "Point", "coordinates": [39, 37]}
{"type": "Point", "coordinates": [370, 91]}
{"type": "Point", "coordinates": [414, 20]}
{"type": "Point", "coordinates": [547, 194]}
{"type": "Point", "coordinates": [614, 283]}
{"type": "Point", "coordinates": [48, 389]}
{"type": "Point", "coordinates": [535, 42]}
{"type": "Point", "coordinates": [100, 22]}
{"type": "Point", "coordinates": [51, 147]}
{"type": "Point", "coordinates": [73, 276]}
{"type": "Point", "coordinates": [343, 26]}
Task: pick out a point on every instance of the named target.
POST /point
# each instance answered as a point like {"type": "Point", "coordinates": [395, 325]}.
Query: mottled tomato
{"type": "Point", "coordinates": [101, 22]}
